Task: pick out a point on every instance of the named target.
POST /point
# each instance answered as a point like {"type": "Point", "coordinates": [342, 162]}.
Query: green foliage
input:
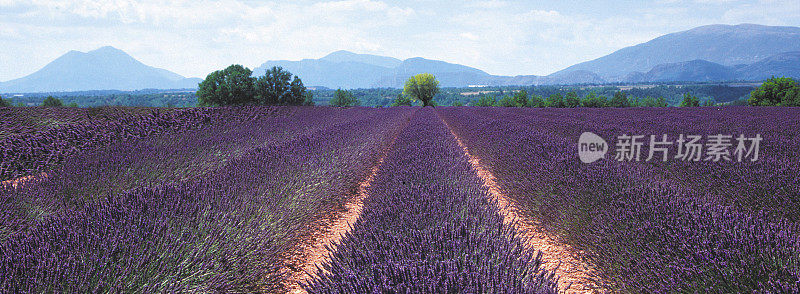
{"type": "Point", "coordinates": [536, 101]}
{"type": "Point", "coordinates": [20, 104]}
{"type": "Point", "coordinates": [592, 100]}
{"type": "Point", "coordinates": [521, 98]}
{"type": "Point", "coordinates": [619, 100]}
{"type": "Point", "coordinates": [690, 101]}
{"type": "Point", "coordinates": [231, 86]}
{"type": "Point", "coordinates": [571, 100]}
{"type": "Point", "coordinates": [277, 87]}
{"type": "Point", "coordinates": [778, 91]}
{"type": "Point", "coordinates": [51, 101]}
{"type": "Point", "coordinates": [402, 100]}
{"type": "Point", "coordinates": [484, 101]}
{"type": "Point", "coordinates": [308, 99]}
{"type": "Point", "coordinates": [4, 103]}
{"type": "Point", "coordinates": [457, 103]}
{"type": "Point", "coordinates": [422, 87]}
{"type": "Point", "coordinates": [236, 86]}
{"type": "Point", "coordinates": [343, 98]}
{"type": "Point", "coordinates": [708, 102]}
{"type": "Point", "coordinates": [555, 100]}
{"type": "Point", "coordinates": [653, 102]}
{"type": "Point", "coordinates": [73, 104]}
{"type": "Point", "coordinates": [506, 101]}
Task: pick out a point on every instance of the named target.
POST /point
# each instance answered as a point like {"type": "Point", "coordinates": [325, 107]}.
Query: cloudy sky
{"type": "Point", "coordinates": [195, 37]}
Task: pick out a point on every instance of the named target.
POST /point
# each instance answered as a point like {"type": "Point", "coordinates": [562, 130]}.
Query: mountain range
{"type": "Point", "coordinates": [745, 52]}
{"type": "Point", "coordinates": [106, 68]}
{"type": "Point", "coordinates": [708, 53]}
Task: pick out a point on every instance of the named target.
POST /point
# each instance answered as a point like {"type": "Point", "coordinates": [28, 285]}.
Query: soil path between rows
{"type": "Point", "coordinates": [574, 275]}
{"type": "Point", "coordinates": [18, 182]}
{"type": "Point", "coordinates": [319, 252]}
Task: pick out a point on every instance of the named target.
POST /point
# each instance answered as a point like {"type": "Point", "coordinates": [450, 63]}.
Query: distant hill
{"type": "Point", "coordinates": [784, 64]}
{"type": "Point", "coordinates": [345, 56]}
{"type": "Point", "coordinates": [695, 70]}
{"type": "Point", "coordinates": [707, 53]}
{"type": "Point", "coordinates": [106, 68]}
{"type": "Point", "coordinates": [727, 45]}
{"type": "Point", "coordinates": [344, 69]}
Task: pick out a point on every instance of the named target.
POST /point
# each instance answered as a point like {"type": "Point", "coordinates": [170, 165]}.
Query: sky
{"type": "Point", "coordinates": [196, 37]}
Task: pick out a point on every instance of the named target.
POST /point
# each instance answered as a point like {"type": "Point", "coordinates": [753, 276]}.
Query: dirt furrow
{"type": "Point", "coordinates": [317, 253]}
{"type": "Point", "coordinates": [14, 183]}
{"type": "Point", "coordinates": [575, 276]}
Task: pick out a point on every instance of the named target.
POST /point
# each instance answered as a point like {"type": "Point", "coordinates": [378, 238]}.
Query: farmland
{"type": "Point", "coordinates": [401, 199]}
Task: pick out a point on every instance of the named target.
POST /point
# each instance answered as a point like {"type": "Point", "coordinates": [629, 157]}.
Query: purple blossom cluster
{"type": "Point", "coordinates": [674, 226]}
{"type": "Point", "coordinates": [32, 140]}
{"type": "Point", "coordinates": [213, 209]}
{"type": "Point", "coordinates": [429, 226]}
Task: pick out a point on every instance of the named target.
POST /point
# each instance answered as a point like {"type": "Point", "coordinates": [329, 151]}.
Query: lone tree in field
{"type": "Point", "coordinates": [423, 87]}
{"type": "Point", "coordinates": [231, 86]}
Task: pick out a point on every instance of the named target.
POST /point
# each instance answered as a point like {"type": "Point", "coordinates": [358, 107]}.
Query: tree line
{"type": "Point", "coordinates": [521, 98]}
{"type": "Point", "coordinates": [778, 91]}
{"type": "Point", "coordinates": [50, 101]}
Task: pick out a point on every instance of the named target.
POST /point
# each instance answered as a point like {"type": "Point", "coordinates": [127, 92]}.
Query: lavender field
{"type": "Point", "coordinates": [401, 199]}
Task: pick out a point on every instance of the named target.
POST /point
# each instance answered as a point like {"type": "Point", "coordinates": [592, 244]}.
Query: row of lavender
{"type": "Point", "coordinates": [33, 140]}
{"type": "Point", "coordinates": [428, 226]}
{"type": "Point", "coordinates": [654, 226]}
{"type": "Point", "coordinates": [218, 209]}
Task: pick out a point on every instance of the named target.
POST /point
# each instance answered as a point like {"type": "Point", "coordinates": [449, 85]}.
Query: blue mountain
{"type": "Point", "coordinates": [106, 68]}
{"type": "Point", "coordinates": [727, 45]}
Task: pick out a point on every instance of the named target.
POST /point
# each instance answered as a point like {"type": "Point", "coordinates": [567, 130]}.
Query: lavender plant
{"type": "Point", "coordinates": [654, 226]}
{"type": "Point", "coordinates": [428, 226]}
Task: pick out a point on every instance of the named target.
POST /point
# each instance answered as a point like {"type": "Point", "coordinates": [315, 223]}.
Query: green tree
{"type": "Point", "coordinates": [73, 104]}
{"type": "Point", "coordinates": [708, 102]}
{"type": "Point", "coordinates": [4, 103]}
{"type": "Point", "coordinates": [231, 86]}
{"type": "Point", "coordinates": [298, 92]}
{"type": "Point", "coordinates": [457, 103]}
{"type": "Point", "coordinates": [344, 98]}
{"type": "Point", "coordinates": [690, 100]}
{"type": "Point", "coordinates": [51, 101]}
{"type": "Point", "coordinates": [402, 100]}
{"type": "Point", "coordinates": [308, 99]}
{"type": "Point", "coordinates": [594, 101]}
{"type": "Point", "coordinates": [619, 100]}
{"type": "Point", "coordinates": [507, 101]}
{"type": "Point", "coordinates": [794, 95]}
{"type": "Point", "coordinates": [571, 100]}
{"type": "Point", "coordinates": [776, 91]}
{"type": "Point", "coordinates": [536, 101]}
{"type": "Point", "coordinates": [484, 101]}
{"type": "Point", "coordinates": [422, 87]}
{"type": "Point", "coordinates": [555, 100]}
{"type": "Point", "coordinates": [654, 102]}
{"type": "Point", "coordinates": [521, 98]}
{"type": "Point", "coordinates": [277, 87]}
